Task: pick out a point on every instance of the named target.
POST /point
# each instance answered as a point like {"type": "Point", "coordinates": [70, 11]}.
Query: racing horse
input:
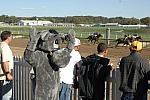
{"type": "Point", "coordinates": [123, 41]}
{"type": "Point", "coordinates": [93, 38]}
{"type": "Point", "coordinates": [65, 36]}
{"type": "Point", "coordinates": [126, 41]}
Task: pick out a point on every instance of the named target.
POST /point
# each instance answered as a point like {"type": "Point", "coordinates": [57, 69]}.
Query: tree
{"type": "Point", "coordinates": [79, 19]}
{"type": "Point", "coordinates": [145, 20]}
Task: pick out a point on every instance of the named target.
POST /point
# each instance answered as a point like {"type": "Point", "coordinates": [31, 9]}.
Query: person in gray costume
{"type": "Point", "coordinates": [43, 54]}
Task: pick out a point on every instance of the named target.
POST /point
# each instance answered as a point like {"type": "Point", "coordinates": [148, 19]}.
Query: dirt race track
{"type": "Point", "coordinates": [18, 46]}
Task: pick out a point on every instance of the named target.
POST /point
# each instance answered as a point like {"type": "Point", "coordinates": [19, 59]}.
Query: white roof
{"type": "Point", "coordinates": [110, 24]}
{"type": "Point", "coordinates": [138, 25]}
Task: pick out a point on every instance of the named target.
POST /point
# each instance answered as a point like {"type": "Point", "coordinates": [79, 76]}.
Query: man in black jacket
{"type": "Point", "coordinates": [93, 71]}
{"type": "Point", "coordinates": [134, 76]}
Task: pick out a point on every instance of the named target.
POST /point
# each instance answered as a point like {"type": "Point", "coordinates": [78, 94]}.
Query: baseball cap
{"type": "Point", "coordinates": [77, 42]}
{"type": "Point", "coordinates": [136, 45]}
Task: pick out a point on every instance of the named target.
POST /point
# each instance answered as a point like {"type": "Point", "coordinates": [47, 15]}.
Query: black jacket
{"type": "Point", "coordinates": [92, 75]}
{"type": "Point", "coordinates": [134, 71]}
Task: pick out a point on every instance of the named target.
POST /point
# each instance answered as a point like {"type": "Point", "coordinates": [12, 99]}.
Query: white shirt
{"type": "Point", "coordinates": [7, 55]}
{"type": "Point", "coordinates": [100, 55]}
{"type": "Point", "coordinates": [66, 73]}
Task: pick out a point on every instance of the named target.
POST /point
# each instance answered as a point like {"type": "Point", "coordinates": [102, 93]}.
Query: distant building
{"type": "Point", "coordinates": [43, 23]}
{"type": "Point", "coordinates": [86, 25]}
{"type": "Point", "coordinates": [33, 23]}
{"type": "Point", "coordinates": [4, 24]}
{"type": "Point", "coordinates": [109, 24]}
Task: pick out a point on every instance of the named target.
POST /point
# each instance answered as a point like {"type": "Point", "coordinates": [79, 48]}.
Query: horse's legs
{"type": "Point", "coordinates": [94, 41]}
{"type": "Point", "coordinates": [116, 45]}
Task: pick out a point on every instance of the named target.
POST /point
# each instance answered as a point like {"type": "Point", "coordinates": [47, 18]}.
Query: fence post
{"type": "Point", "coordinates": [116, 36]}
{"type": "Point", "coordinates": [107, 36]}
{"type": "Point", "coordinates": [81, 35]}
{"type": "Point", "coordinates": [116, 93]}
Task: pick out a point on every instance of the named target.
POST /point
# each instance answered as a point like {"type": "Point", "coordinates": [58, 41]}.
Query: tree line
{"type": "Point", "coordinates": [79, 19]}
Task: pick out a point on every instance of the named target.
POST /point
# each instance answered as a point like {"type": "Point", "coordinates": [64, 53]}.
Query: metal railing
{"type": "Point", "coordinates": [24, 84]}
{"type": "Point", "coordinates": [22, 89]}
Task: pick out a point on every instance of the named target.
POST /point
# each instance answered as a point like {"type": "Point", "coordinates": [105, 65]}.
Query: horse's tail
{"type": "Point", "coordinates": [116, 40]}
{"type": "Point", "coordinates": [86, 38]}
{"type": "Point", "coordinates": [89, 37]}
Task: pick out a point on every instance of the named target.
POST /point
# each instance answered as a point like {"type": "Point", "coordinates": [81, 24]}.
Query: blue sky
{"type": "Point", "coordinates": [105, 8]}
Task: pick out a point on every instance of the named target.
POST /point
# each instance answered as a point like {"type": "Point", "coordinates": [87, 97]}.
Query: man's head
{"type": "Point", "coordinates": [102, 49]}
{"type": "Point", "coordinates": [77, 44]}
{"type": "Point", "coordinates": [6, 36]}
{"type": "Point", "coordinates": [136, 46]}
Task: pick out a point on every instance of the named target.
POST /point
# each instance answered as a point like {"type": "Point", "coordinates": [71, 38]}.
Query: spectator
{"type": "Point", "coordinates": [93, 72]}
{"type": "Point", "coordinates": [99, 90]}
{"type": "Point", "coordinates": [6, 66]}
{"type": "Point", "coordinates": [43, 54]}
{"type": "Point", "coordinates": [134, 71]}
{"type": "Point", "coordinates": [66, 73]}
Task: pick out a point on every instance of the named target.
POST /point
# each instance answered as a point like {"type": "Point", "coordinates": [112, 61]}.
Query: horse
{"type": "Point", "coordinates": [137, 38]}
{"type": "Point", "coordinates": [126, 41]}
{"type": "Point", "coordinates": [123, 41]}
{"type": "Point", "coordinates": [93, 38]}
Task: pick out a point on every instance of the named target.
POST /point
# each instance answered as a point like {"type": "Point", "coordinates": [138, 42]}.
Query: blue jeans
{"type": "Point", "coordinates": [131, 96]}
{"type": "Point", "coordinates": [65, 92]}
{"type": "Point", "coordinates": [1, 87]}
{"type": "Point", "coordinates": [6, 90]}
{"type": "Point", "coordinates": [127, 96]}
